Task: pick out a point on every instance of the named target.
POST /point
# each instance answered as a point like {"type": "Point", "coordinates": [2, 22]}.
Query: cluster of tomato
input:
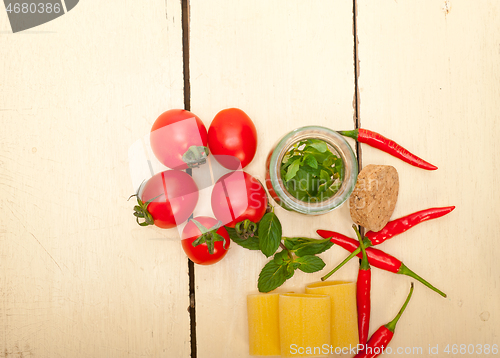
{"type": "Point", "coordinates": [179, 140]}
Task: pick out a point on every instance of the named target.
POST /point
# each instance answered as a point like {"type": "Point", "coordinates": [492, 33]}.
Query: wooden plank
{"type": "Point", "coordinates": [287, 64]}
{"type": "Point", "coordinates": [430, 78]}
{"type": "Point", "coordinates": [78, 277]}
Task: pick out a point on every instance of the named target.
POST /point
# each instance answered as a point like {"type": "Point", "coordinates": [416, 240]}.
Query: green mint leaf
{"type": "Point", "coordinates": [310, 263]}
{"type": "Point", "coordinates": [272, 276]}
{"type": "Point", "coordinates": [314, 248]}
{"type": "Point", "coordinates": [291, 188]}
{"type": "Point", "coordinates": [281, 257]}
{"type": "Point", "coordinates": [324, 176]}
{"type": "Point", "coordinates": [252, 243]}
{"type": "Point", "coordinates": [311, 161]}
{"type": "Point", "coordinates": [320, 156]}
{"type": "Point", "coordinates": [303, 246]}
{"type": "Point", "coordinates": [292, 169]}
{"type": "Point", "coordinates": [269, 234]}
{"type": "Point", "coordinates": [290, 160]}
{"type": "Point", "coordinates": [319, 145]}
{"type": "Point", "coordinates": [290, 270]}
{"type": "Point", "coordinates": [291, 243]}
{"type": "Point", "coordinates": [302, 180]}
{"type": "Point", "coordinates": [322, 188]}
{"type": "Point", "coordinates": [329, 162]}
{"type": "Point", "coordinates": [311, 171]}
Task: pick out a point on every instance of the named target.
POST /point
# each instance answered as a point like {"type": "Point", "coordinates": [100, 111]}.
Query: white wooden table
{"type": "Point", "coordinates": [79, 278]}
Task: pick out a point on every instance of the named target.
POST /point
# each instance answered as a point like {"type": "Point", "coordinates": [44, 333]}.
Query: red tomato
{"type": "Point", "coordinates": [232, 133]}
{"type": "Point", "coordinates": [174, 195]}
{"type": "Point", "coordinates": [179, 139]}
{"type": "Point", "coordinates": [238, 196]}
{"type": "Point", "coordinates": [200, 254]}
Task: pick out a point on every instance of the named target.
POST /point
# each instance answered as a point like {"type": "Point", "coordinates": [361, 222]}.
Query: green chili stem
{"type": "Point", "coordinates": [347, 259]}
{"type": "Point", "coordinates": [391, 326]}
{"type": "Point", "coordinates": [351, 134]}
{"type": "Point", "coordinates": [406, 271]}
{"type": "Point", "coordinates": [364, 261]}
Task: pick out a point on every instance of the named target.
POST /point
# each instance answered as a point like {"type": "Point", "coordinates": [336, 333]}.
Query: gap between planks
{"type": "Point", "coordinates": [356, 99]}
{"type": "Point", "coordinates": [187, 106]}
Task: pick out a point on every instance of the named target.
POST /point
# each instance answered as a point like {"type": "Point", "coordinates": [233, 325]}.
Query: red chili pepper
{"type": "Point", "coordinates": [363, 288]}
{"type": "Point", "coordinates": [382, 336]}
{"type": "Point", "coordinates": [400, 225]}
{"type": "Point", "coordinates": [376, 258]}
{"type": "Point", "coordinates": [394, 228]}
{"type": "Point", "coordinates": [387, 145]}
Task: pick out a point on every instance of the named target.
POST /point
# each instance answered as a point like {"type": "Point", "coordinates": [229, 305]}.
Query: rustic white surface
{"type": "Point", "coordinates": [79, 279]}
{"type": "Point", "coordinates": [286, 64]}
{"type": "Point", "coordinates": [430, 78]}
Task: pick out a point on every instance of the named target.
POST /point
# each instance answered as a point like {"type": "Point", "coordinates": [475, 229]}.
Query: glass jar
{"type": "Point", "coordinates": [337, 145]}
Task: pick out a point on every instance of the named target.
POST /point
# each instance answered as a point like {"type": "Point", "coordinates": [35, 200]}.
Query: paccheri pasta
{"type": "Point", "coordinates": [311, 324]}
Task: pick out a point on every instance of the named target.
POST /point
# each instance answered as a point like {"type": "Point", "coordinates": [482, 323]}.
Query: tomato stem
{"type": "Point", "coordinates": [245, 229]}
{"type": "Point", "coordinates": [141, 211]}
{"type": "Point", "coordinates": [209, 238]}
{"type": "Point", "coordinates": [195, 156]}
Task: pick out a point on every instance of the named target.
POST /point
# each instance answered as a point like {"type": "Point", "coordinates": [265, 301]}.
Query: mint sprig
{"type": "Point", "coordinates": [282, 267]}
{"type": "Point", "coordinates": [311, 172]}
{"type": "Point", "coordinates": [296, 252]}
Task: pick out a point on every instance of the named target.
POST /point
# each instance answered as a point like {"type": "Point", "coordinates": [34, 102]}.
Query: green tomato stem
{"type": "Point", "coordinates": [195, 156]}
{"type": "Point", "coordinates": [245, 229]}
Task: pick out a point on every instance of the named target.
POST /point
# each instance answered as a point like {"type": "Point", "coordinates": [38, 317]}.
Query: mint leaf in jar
{"type": "Point", "coordinates": [312, 172]}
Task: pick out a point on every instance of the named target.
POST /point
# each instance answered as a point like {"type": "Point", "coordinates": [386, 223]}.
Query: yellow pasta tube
{"type": "Point", "coordinates": [263, 324]}
{"type": "Point", "coordinates": [344, 319]}
{"type": "Point", "coordinates": [304, 325]}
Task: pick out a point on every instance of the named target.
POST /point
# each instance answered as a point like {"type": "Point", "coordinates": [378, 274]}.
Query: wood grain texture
{"type": "Point", "coordinates": [430, 79]}
{"type": "Point", "coordinates": [78, 278]}
{"type": "Point", "coordinates": [286, 64]}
